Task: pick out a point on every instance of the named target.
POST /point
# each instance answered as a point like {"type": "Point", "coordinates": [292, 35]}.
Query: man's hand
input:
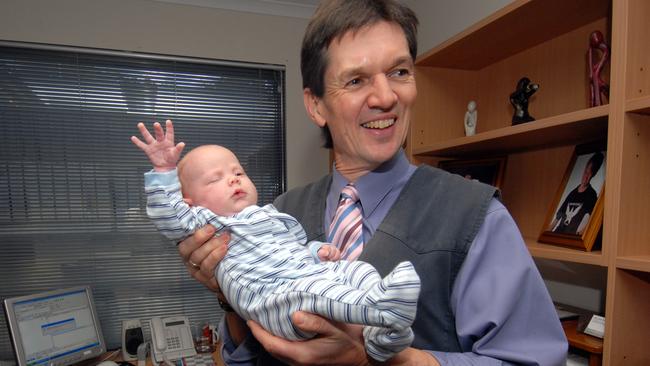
{"type": "Point", "coordinates": [201, 253]}
{"type": "Point", "coordinates": [335, 344]}
{"type": "Point", "coordinates": [160, 150]}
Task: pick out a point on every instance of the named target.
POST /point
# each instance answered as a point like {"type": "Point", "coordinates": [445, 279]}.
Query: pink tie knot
{"type": "Point", "coordinates": [350, 192]}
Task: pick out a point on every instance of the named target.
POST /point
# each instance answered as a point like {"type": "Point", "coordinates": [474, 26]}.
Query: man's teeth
{"type": "Point", "coordinates": [379, 124]}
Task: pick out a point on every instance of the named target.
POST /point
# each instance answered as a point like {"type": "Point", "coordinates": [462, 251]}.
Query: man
{"type": "Point", "coordinates": [482, 299]}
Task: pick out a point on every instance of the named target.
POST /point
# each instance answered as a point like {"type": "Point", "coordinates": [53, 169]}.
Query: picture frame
{"type": "Point", "coordinates": [489, 170]}
{"type": "Point", "coordinates": [575, 216]}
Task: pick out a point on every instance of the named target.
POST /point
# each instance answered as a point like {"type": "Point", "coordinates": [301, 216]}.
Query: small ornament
{"type": "Point", "coordinates": [470, 118]}
{"type": "Point", "coordinates": [599, 89]}
{"type": "Point", "coordinates": [519, 100]}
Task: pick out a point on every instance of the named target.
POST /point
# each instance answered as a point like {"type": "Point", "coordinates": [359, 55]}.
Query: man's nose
{"type": "Point", "coordinates": [382, 94]}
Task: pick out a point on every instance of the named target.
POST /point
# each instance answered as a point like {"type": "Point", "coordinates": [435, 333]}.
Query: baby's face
{"type": "Point", "coordinates": [212, 177]}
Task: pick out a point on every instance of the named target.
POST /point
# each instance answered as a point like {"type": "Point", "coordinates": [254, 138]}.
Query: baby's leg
{"type": "Point", "coordinates": [383, 343]}
{"type": "Point", "coordinates": [357, 274]}
{"type": "Point", "coordinates": [390, 302]}
{"type": "Point", "coordinates": [360, 298]}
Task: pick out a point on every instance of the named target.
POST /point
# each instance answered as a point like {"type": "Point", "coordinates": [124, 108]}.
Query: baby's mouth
{"type": "Point", "coordinates": [379, 124]}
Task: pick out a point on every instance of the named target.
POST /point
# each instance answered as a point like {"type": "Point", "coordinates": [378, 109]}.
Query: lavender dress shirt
{"type": "Point", "coordinates": [493, 319]}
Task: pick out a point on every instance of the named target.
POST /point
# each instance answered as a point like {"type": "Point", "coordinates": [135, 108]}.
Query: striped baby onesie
{"type": "Point", "coordinates": [270, 272]}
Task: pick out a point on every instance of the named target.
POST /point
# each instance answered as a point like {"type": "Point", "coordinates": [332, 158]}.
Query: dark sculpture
{"type": "Point", "coordinates": [599, 89]}
{"type": "Point", "coordinates": [519, 100]}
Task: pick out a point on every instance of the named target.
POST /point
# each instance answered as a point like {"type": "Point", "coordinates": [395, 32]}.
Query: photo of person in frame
{"type": "Point", "coordinates": [580, 195]}
{"type": "Point", "coordinates": [489, 171]}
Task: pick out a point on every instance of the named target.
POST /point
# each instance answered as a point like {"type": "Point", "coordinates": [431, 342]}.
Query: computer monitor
{"type": "Point", "coordinates": [54, 328]}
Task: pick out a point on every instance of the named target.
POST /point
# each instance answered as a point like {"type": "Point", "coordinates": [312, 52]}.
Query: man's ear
{"type": "Point", "coordinates": [312, 105]}
{"type": "Point", "coordinates": [188, 201]}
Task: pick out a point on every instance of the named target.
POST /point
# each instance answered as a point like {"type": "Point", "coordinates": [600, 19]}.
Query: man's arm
{"type": "Point", "coordinates": [503, 310]}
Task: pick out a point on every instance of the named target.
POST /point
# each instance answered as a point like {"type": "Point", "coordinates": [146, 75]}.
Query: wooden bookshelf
{"type": "Point", "coordinates": [547, 41]}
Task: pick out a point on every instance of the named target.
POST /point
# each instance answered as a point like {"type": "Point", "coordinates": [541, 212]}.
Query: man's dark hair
{"type": "Point", "coordinates": [596, 161]}
{"type": "Point", "coordinates": [333, 19]}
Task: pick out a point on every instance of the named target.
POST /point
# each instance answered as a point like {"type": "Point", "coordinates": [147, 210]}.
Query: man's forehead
{"type": "Point", "coordinates": [343, 53]}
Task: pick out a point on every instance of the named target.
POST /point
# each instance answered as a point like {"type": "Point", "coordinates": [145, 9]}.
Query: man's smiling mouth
{"type": "Point", "coordinates": [379, 124]}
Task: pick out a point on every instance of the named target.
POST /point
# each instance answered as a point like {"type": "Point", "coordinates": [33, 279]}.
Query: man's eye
{"type": "Point", "coordinates": [401, 73]}
{"type": "Point", "coordinates": [354, 82]}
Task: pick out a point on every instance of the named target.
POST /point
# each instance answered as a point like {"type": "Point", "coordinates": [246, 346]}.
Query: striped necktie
{"type": "Point", "coordinates": [346, 229]}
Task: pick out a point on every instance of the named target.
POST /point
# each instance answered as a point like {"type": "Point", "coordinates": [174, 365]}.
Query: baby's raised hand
{"type": "Point", "coordinates": [161, 150]}
{"type": "Point", "coordinates": [329, 253]}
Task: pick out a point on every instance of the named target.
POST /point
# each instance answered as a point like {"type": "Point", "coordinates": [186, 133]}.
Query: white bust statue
{"type": "Point", "coordinates": [470, 119]}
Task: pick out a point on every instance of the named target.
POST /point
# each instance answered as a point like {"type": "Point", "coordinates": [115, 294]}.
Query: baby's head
{"type": "Point", "coordinates": [212, 177]}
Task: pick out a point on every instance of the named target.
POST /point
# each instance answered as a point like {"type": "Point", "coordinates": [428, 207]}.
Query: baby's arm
{"type": "Point", "coordinates": [320, 251]}
{"type": "Point", "coordinates": [161, 150]}
{"type": "Point", "coordinates": [173, 217]}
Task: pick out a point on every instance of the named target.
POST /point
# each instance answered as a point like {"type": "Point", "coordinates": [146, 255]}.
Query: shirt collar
{"type": "Point", "coordinates": [374, 186]}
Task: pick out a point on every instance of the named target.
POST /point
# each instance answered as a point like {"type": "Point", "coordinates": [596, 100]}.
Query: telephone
{"type": "Point", "coordinates": [171, 338]}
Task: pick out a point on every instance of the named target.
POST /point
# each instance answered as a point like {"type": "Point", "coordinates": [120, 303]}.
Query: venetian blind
{"type": "Point", "coordinates": [72, 209]}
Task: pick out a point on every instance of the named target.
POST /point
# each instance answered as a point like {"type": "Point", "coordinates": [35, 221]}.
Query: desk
{"type": "Point", "coordinates": [585, 342]}
{"type": "Point", "coordinates": [216, 357]}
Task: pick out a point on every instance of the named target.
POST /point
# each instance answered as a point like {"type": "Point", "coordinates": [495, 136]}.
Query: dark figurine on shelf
{"type": "Point", "coordinates": [599, 89]}
{"type": "Point", "coordinates": [519, 100]}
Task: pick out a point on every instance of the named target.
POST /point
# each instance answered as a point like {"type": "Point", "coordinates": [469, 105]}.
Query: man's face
{"type": "Point", "coordinates": [369, 91]}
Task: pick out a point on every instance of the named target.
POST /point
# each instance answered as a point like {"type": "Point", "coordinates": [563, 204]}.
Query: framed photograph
{"type": "Point", "coordinates": [576, 215]}
{"type": "Point", "coordinates": [489, 171]}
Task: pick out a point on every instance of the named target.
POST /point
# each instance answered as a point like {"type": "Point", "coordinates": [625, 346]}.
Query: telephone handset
{"type": "Point", "coordinates": [171, 338]}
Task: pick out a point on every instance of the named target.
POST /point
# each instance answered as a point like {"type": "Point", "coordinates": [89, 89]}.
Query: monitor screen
{"type": "Point", "coordinates": [54, 328]}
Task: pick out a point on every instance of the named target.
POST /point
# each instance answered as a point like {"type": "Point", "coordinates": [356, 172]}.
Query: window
{"type": "Point", "coordinates": [72, 208]}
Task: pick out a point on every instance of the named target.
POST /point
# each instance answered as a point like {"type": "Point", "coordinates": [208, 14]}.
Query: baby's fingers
{"type": "Point", "coordinates": [158, 130]}
{"type": "Point", "coordinates": [145, 133]}
{"type": "Point", "coordinates": [169, 126]}
{"type": "Point", "coordinates": [136, 141]}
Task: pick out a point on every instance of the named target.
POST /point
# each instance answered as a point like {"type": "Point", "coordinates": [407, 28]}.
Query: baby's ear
{"type": "Point", "coordinates": [188, 201]}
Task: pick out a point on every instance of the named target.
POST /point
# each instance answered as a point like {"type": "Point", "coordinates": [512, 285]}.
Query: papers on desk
{"type": "Point", "coordinates": [201, 359]}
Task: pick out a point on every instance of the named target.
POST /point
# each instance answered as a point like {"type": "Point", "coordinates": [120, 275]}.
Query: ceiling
{"type": "Point", "coordinates": [289, 8]}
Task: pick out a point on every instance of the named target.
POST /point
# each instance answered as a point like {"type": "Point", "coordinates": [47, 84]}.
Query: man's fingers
{"type": "Point", "coordinates": [217, 250]}
{"type": "Point", "coordinates": [274, 345]}
{"type": "Point", "coordinates": [192, 243]}
{"type": "Point", "coordinates": [312, 323]}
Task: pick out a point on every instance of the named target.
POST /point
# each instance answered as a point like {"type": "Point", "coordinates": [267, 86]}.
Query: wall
{"type": "Point", "coordinates": [442, 19]}
{"type": "Point", "coordinates": [181, 30]}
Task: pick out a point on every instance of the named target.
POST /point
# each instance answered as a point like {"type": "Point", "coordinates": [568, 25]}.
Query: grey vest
{"type": "Point", "coordinates": [432, 224]}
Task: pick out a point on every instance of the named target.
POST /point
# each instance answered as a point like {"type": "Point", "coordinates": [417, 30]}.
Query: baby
{"type": "Point", "coordinates": [270, 271]}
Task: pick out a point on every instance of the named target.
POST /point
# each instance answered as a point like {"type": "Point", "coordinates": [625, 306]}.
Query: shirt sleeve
{"type": "Point", "coordinates": [166, 208]}
{"type": "Point", "coordinates": [232, 355]}
{"type": "Point", "coordinates": [503, 311]}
